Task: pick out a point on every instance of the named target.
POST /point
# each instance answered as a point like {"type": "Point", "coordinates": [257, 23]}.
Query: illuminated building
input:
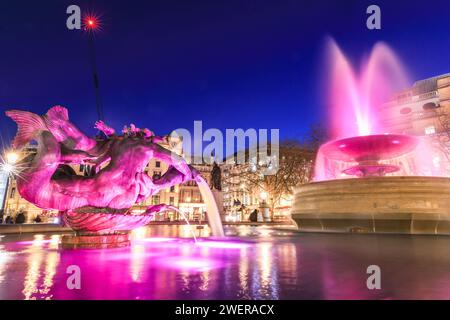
{"type": "Point", "coordinates": [415, 110]}
{"type": "Point", "coordinates": [423, 110]}
{"type": "Point", "coordinates": [185, 196]}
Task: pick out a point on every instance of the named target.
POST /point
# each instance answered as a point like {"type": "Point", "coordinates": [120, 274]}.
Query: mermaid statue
{"type": "Point", "coordinates": [100, 202]}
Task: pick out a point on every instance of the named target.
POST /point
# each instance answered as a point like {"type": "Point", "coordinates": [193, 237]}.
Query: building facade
{"type": "Point", "coordinates": [246, 186]}
{"type": "Point", "coordinates": [416, 111]}
{"type": "Point", "coordinates": [423, 110]}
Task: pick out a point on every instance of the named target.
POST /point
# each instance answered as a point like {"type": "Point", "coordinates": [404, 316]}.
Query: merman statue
{"type": "Point", "coordinates": [99, 203]}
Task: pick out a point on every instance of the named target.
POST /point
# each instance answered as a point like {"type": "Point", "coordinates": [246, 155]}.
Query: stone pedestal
{"type": "Point", "coordinates": [95, 241]}
{"type": "Point", "coordinates": [408, 205]}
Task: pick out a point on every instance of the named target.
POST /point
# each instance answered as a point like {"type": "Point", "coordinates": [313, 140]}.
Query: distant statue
{"type": "Point", "coordinates": [253, 216]}
{"type": "Point", "coordinates": [20, 218]}
{"type": "Point", "coordinates": [216, 177]}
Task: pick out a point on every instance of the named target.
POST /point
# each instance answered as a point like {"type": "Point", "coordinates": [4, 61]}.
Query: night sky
{"type": "Point", "coordinates": [232, 63]}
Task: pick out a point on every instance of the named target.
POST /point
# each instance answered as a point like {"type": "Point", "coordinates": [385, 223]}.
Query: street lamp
{"type": "Point", "coordinates": [264, 207]}
{"type": "Point", "coordinates": [8, 162]}
{"type": "Point", "coordinates": [91, 25]}
{"type": "Point", "coordinates": [12, 157]}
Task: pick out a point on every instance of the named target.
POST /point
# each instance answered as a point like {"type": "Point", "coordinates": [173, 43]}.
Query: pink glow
{"type": "Point", "coordinates": [223, 244]}
{"type": "Point", "coordinates": [360, 147]}
{"type": "Point", "coordinates": [34, 242]}
{"type": "Point", "coordinates": [364, 156]}
{"type": "Point", "coordinates": [157, 239]}
{"type": "Point", "coordinates": [373, 147]}
{"type": "Point", "coordinates": [191, 263]}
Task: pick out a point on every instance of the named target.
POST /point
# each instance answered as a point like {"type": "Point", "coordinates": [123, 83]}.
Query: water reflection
{"type": "Point", "coordinates": [37, 285]}
{"type": "Point", "coordinates": [137, 261]}
{"type": "Point", "coordinates": [261, 263]}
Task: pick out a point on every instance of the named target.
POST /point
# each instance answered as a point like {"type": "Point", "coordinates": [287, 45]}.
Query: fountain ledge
{"type": "Point", "coordinates": [389, 204]}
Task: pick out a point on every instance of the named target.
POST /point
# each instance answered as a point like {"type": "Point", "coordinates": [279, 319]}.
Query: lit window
{"type": "Point", "coordinates": [13, 193]}
{"type": "Point", "coordinates": [430, 130]}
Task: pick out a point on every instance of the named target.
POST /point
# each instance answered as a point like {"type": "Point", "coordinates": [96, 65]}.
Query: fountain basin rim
{"type": "Point", "coordinates": [370, 147]}
{"type": "Point", "coordinates": [372, 179]}
{"type": "Point", "coordinates": [389, 204]}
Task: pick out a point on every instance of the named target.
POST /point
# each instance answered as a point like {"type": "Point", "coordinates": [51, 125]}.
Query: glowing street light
{"type": "Point", "coordinates": [11, 157]}
{"type": "Point", "coordinates": [91, 23]}
{"type": "Point", "coordinates": [7, 164]}
{"type": "Point", "coordinates": [263, 195]}
{"type": "Point", "coordinates": [7, 167]}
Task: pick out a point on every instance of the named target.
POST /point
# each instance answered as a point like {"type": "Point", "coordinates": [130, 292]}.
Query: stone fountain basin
{"type": "Point", "coordinates": [100, 228]}
{"type": "Point", "coordinates": [395, 204]}
{"type": "Point", "coordinates": [104, 221]}
{"type": "Point", "coordinates": [373, 147]}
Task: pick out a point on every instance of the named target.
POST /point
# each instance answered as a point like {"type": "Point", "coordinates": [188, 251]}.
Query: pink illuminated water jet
{"type": "Point", "coordinates": [401, 186]}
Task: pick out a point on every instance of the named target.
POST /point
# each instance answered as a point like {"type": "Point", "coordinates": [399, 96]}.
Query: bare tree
{"type": "Point", "coordinates": [443, 135]}
{"type": "Point", "coordinates": [294, 168]}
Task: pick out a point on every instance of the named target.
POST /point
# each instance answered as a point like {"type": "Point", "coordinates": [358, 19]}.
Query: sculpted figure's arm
{"type": "Point", "coordinates": [158, 139]}
{"type": "Point", "coordinates": [75, 156]}
{"type": "Point", "coordinates": [174, 160]}
{"type": "Point", "coordinates": [103, 127]}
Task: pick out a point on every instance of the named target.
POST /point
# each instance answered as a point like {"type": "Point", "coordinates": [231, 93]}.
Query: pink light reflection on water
{"type": "Point", "coordinates": [223, 244]}
{"type": "Point", "coordinates": [158, 239]}
{"type": "Point", "coordinates": [191, 263]}
{"type": "Point", "coordinates": [276, 267]}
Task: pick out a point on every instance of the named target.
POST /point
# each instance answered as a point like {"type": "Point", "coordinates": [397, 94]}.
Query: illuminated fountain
{"type": "Point", "coordinates": [368, 180]}
{"type": "Point", "coordinates": [98, 206]}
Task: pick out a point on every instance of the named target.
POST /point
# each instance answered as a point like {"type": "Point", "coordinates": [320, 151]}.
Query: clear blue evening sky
{"type": "Point", "coordinates": [231, 63]}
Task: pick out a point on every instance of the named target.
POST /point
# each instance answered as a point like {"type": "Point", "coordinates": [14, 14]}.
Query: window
{"type": "Point", "coordinates": [158, 164]}
{"type": "Point", "coordinates": [172, 189]}
{"type": "Point", "coordinates": [430, 130]}
{"type": "Point", "coordinates": [13, 192]}
{"type": "Point", "coordinates": [186, 196]}
{"type": "Point", "coordinates": [196, 196]}
{"type": "Point", "coordinates": [430, 106]}
{"type": "Point", "coordinates": [172, 201]}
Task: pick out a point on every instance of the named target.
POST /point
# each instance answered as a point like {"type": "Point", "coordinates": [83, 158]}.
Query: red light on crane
{"type": "Point", "coordinates": [91, 23]}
